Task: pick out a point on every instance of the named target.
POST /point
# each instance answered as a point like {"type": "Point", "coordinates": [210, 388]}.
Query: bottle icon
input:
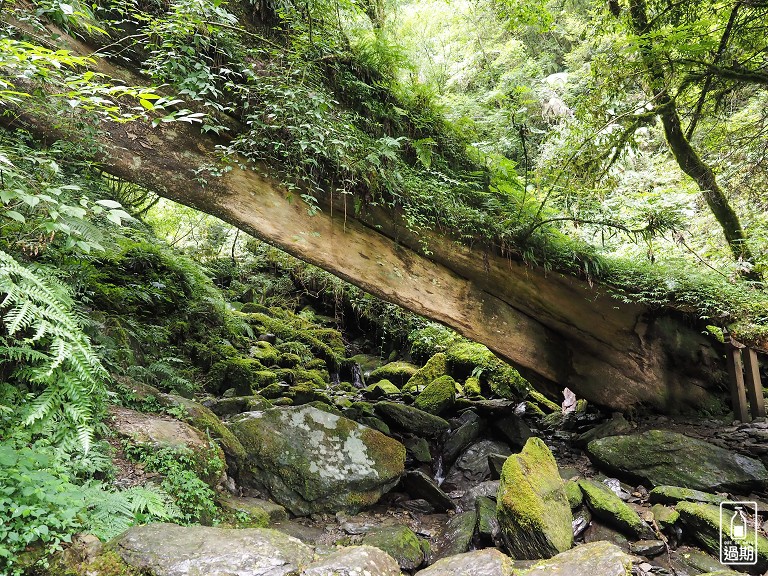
{"type": "Point", "coordinates": [738, 524]}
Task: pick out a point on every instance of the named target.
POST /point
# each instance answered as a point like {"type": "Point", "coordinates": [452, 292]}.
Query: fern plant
{"type": "Point", "coordinates": [45, 350]}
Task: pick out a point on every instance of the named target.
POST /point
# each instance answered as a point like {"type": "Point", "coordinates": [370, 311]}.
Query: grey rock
{"type": "Point", "coordinates": [412, 419]}
{"type": "Point", "coordinates": [354, 561]}
{"type": "Point", "coordinates": [472, 466]}
{"type": "Point", "coordinates": [648, 548]}
{"type": "Point", "coordinates": [489, 489]}
{"type": "Point", "coordinates": [456, 537]}
{"type": "Point", "coordinates": [459, 439]}
{"type": "Point", "coordinates": [421, 486]}
{"type": "Point", "coordinates": [312, 461]}
{"type": "Point", "coordinates": [597, 558]}
{"type": "Point", "coordinates": [687, 462]}
{"type": "Point", "coordinates": [171, 550]}
{"type": "Point", "coordinates": [488, 562]}
{"type": "Point", "coordinates": [514, 430]}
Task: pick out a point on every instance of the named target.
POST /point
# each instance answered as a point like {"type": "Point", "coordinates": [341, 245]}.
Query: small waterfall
{"type": "Point", "coordinates": [439, 472]}
{"type": "Point", "coordinates": [357, 376]}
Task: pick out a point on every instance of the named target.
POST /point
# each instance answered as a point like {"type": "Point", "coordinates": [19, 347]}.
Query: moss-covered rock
{"type": "Point", "coordinates": [312, 461]}
{"type": "Point", "coordinates": [664, 516]}
{"type": "Point", "coordinates": [288, 360]}
{"type": "Point", "coordinates": [687, 462]}
{"type": "Point", "coordinates": [155, 432]}
{"type": "Point", "coordinates": [224, 407]}
{"type": "Point", "coordinates": [467, 358]}
{"type": "Point", "coordinates": [396, 372]}
{"type": "Point", "coordinates": [438, 396]}
{"type": "Point", "coordinates": [265, 353]}
{"type": "Point", "coordinates": [612, 509]}
{"type": "Point", "coordinates": [263, 512]}
{"type": "Point", "coordinates": [400, 542]}
{"type": "Point", "coordinates": [702, 521]}
{"type": "Point", "coordinates": [472, 388]}
{"type": "Point", "coordinates": [380, 389]}
{"type": "Point", "coordinates": [574, 494]}
{"type": "Point", "coordinates": [543, 402]}
{"type": "Point", "coordinates": [412, 419]}
{"type": "Point", "coordinates": [435, 367]}
{"type": "Point", "coordinates": [236, 372]}
{"type": "Point", "coordinates": [206, 421]}
{"type": "Point", "coordinates": [532, 506]}
{"type": "Point", "coordinates": [675, 494]}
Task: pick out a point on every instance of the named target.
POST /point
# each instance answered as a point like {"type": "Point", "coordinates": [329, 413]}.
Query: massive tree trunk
{"type": "Point", "coordinates": [560, 331]}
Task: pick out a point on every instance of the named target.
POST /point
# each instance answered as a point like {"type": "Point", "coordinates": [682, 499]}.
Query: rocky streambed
{"type": "Point", "coordinates": [450, 468]}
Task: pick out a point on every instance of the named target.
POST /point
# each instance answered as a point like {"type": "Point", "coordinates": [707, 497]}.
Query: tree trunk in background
{"type": "Point", "coordinates": [687, 158]}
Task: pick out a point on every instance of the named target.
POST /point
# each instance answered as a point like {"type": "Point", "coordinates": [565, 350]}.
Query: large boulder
{"type": "Point", "coordinates": [312, 461]}
{"type": "Point", "coordinates": [532, 507]}
{"type": "Point", "coordinates": [595, 559]}
{"type": "Point", "coordinates": [488, 562]}
{"type": "Point", "coordinates": [354, 561]}
{"type": "Point", "coordinates": [659, 457]}
{"type": "Point", "coordinates": [171, 550]}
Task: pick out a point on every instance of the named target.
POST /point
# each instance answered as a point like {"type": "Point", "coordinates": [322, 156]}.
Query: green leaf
{"type": "Point", "coordinates": [12, 214]}
{"type": "Point", "coordinates": [109, 203]}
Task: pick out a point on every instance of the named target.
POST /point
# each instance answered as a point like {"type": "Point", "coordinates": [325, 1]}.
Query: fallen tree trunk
{"type": "Point", "coordinates": [559, 330]}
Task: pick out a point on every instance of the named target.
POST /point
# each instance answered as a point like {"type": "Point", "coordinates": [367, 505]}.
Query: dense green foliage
{"type": "Point", "coordinates": [540, 130]}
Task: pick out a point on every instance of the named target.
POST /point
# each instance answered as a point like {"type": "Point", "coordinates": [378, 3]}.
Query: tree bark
{"type": "Point", "coordinates": [685, 155]}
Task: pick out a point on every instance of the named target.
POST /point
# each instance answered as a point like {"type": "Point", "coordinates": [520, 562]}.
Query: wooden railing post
{"type": "Point", "coordinates": [738, 394]}
{"type": "Point", "coordinates": [753, 383]}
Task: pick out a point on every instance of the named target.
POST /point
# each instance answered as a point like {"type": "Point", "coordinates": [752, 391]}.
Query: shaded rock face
{"type": "Point", "coordinates": [488, 562]}
{"type": "Point", "coordinates": [354, 561]}
{"type": "Point", "coordinates": [595, 559]}
{"type": "Point", "coordinates": [171, 550]}
{"type": "Point", "coordinates": [661, 457]}
{"type": "Point", "coordinates": [532, 507]}
{"type": "Point", "coordinates": [473, 467]}
{"type": "Point", "coordinates": [314, 461]}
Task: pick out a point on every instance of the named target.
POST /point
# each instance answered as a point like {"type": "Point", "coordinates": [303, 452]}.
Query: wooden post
{"type": "Point", "coordinates": [754, 386]}
{"type": "Point", "coordinates": [738, 394]}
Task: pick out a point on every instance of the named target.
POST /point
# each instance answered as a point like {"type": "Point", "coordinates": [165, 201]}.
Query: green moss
{"type": "Point", "coordinates": [472, 359]}
{"type": "Point", "coordinates": [381, 388]}
{"type": "Point", "coordinates": [400, 542]}
{"type": "Point", "coordinates": [664, 515]}
{"type": "Point", "coordinates": [236, 372]}
{"type": "Point", "coordinates": [574, 494]}
{"type": "Point", "coordinates": [434, 368]}
{"type": "Point", "coordinates": [612, 509]}
{"type": "Point", "coordinates": [675, 494]}
{"type": "Point", "coordinates": [265, 353]}
{"type": "Point", "coordinates": [396, 372]}
{"type": "Point", "coordinates": [253, 308]}
{"type": "Point", "coordinates": [264, 378]}
{"type": "Point", "coordinates": [544, 403]}
{"type": "Point", "coordinates": [317, 378]}
{"type": "Point", "coordinates": [108, 563]}
{"type": "Point", "coordinates": [703, 523]}
{"type": "Point", "coordinates": [532, 506]}
{"type": "Point", "coordinates": [438, 396]}
{"type": "Point", "coordinates": [206, 421]}
{"type": "Point", "coordinates": [472, 387]}
{"type": "Point", "coordinates": [288, 360]}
